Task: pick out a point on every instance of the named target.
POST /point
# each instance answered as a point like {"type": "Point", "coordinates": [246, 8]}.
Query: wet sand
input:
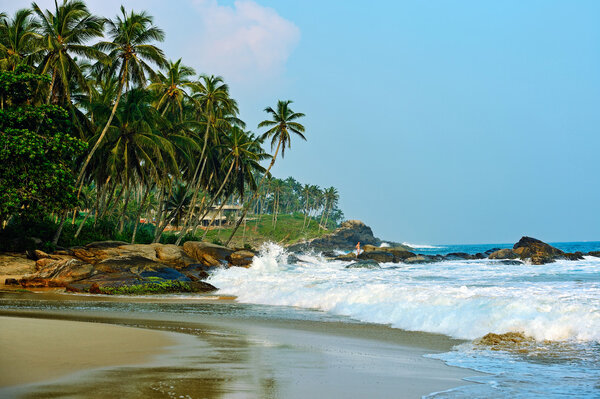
{"type": "Point", "coordinates": [227, 356]}
{"type": "Point", "coordinates": [34, 350]}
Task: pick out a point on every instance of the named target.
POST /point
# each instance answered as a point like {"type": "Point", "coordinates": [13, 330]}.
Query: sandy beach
{"type": "Point", "coordinates": [222, 356]}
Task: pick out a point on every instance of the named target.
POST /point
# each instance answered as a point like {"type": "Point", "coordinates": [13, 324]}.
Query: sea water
{"type": "Point", "coordinates": [555, 307]}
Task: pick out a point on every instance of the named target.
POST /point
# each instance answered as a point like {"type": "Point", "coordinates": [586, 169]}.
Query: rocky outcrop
{"type": "Point", "coordinates": [505, 253]}
{"type": "Point", "coordinates": [529, 247]}
{"type": "Point", "coordinates": [113, 266]}
{"type": "Point", "coordinates": [364, 264]}
{"type": "Point", "coordinates": [344, 238]}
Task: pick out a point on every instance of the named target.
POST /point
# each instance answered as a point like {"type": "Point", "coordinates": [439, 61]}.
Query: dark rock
{"type": "Point", "coordinates": [133, 264]}
{"type": "Point", "coordinates": [573, 256]}
{"type": "Point", "coordinates": [458, 256]}
{"type": "Point", "coordinates": [421, 259]}
{"type": "Point", "coordinates": [344, 238]}
{"type": "Point", "coordinates": [105, 244]}
{"type": "Point", "coordinates": [594, 253]}
{"type": "Point", "coordinates": [379, 256]}
{"type": "Point", "coordinates": [197, 271]}
{"type": "Point", "coordinates": [541, 259]}
{"type": "Point", "coordinates": [505, 253]}
{"type": "Point", "coordinates": [351, 256]}
{"type": "Point", "coordinates": [528, 247]}
{"type": "Point", "coordinates": [364, 264]}
{"type": "Point", "coordinates": [480, 255]}
{"type": "Point", "coordinates": [165, 273]}
{"type": "Point", "coordinates": [328, 254]}
{"type": "Point", "coordinates": [509, 262]}
{"type": "Point", "coordinates": [241, 258]}
{"type": "Point", "coordinates": [490, 251]}
{"type": "Point", "coordinates": [11, 281]}
{"type": "Point", "coordinates": [206, 253]}
{"type": "Point", "coordinates": [202, 286]}
{"type": "Point", "coordinates": [292, 259]}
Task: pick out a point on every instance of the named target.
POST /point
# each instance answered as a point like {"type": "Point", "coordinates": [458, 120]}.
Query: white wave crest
{"type": "Point", "coordinates": [421, 246]}
{"type": "Point", "coordinates": [463, 299]}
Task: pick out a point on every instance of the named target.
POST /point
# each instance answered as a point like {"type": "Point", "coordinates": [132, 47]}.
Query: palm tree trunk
{"type": "Point", "coordinates": [245, 210]}
{"type": "Point", "coordinates": [124, 211]}
{"type": "Point", "coordinates": [138, 214]}
{"type": "Point", "coordinates": [161, 204]}
{"type": "Point", "coordinates": [192, 208]}
{"type": "Point", "coordinates": [83, 223]}
{"type": "Point", "coordinates": [214, 217]}
{"type": "Point", "coordinates": [74, 215]}
{"type": "Point", "coordinates": [63, 219]}
{"type": "Point", "coordinates": [97, 144]}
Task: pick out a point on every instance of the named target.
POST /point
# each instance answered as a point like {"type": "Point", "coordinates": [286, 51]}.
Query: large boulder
{"type": "Point", "coordinates": [173, 255]}
{"type": "Point", "coordinates": [379, 256]}
{"type": "Point", "coordinates": [422, 259]}
{"type": "Point", "coordinates": [241, 258]}
{"type": "Point", "coordinates": [16, 265]}
{"type": "Point", "coordinates": [343, 238]}
{"type": "Point", "coordinates": [206, 253]}
{"type": "Point", "coordinates": [528, 247]}
{"type": "Point", "coordinates": [364, 264]}
{"type": "Point", "coordinates": [505, 253]}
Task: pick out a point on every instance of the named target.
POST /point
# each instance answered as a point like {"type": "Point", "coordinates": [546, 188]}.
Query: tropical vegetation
{"type": "Point", "coordinates": [103, 137]}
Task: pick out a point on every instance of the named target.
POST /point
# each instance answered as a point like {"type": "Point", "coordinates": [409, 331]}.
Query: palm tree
{"type": "Point", "coordinates": [65, 34]}
{"type": "Point", "coordinates": [173, 88]}
{"type": "Point", "coordinates": [19, 39]}
{"type": "Point", "coordinates": [129, 51]}
{"type": "Point", "coordinates": [332, 197]}
{"type": "Point", "coordinates": [282, 124]}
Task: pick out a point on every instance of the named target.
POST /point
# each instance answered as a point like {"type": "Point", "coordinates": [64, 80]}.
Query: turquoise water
{"type": "Point", "coordinates": [556, 306]}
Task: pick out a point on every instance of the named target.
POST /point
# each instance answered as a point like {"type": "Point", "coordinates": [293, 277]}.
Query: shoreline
{"type": "Point", "coordinates": [268, 358]}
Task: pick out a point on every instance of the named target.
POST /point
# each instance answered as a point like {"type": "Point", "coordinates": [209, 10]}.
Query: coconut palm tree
{"type": "Point", "coordinates": [173, 88]}
{"type": "Point", "coordinates": [19, 39]}
{"type": "Point", "coordinates": [64, 37]}
{"type": "Point", "coordinates": [282, 124]}
{"type": "Point", "coordinates": [130, 51]}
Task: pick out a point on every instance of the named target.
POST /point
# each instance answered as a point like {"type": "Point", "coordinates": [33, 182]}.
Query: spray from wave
{"type": "Point", "coordinates": [462, 299]}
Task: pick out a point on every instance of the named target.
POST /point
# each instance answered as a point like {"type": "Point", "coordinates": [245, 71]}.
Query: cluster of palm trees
{"type": "Point", "coordinates": [163, 141]}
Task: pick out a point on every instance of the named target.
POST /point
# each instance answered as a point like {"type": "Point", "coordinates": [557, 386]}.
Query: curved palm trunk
{"type": "Point", "coordinates": [79, 180]}
{"type": "Point", "coordinates": [247, 207]}
{"type": "Point", "coordinates": [191, 211]}
{"type": "Point", "coordinates": [83, 223]}
{"type": "Point", "coordinates": [214, 217]}
{"type": "Point", "coordinates": [138, 214]}
{"type": "Point", "coordinates": [212, 201]}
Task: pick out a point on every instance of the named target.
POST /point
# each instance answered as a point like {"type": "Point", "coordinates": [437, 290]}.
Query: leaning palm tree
{"type": "Point", "coordinates": [130, 50]}
{"type": "Point", "coordinates": [282, 124]}
{"type": "Point", "coordinates": [65, 34]}
{"type": "Point", "coordinates": [19, 39]}
{"type": "Point", "coordinates": [173, 88]}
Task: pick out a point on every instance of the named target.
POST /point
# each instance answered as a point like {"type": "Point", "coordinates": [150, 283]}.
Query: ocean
{"type": "Point", "coordinates": [553, 308]}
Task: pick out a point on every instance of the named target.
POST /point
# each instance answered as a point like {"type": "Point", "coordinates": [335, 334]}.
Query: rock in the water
{"type": "Point", "coordinates": [364, 264]}
{"type": "Point", "coordinates": [421, 259]}
{"type": "Point", "coordinates": [197, 271]}
{"type": "Point", "coordinates": [164, 273]}
{"type": "Point", "coordinates": [379, 256]}
{"type": "Point", "coordinates": [573, 256]}
{"type": "Point", "coordinates": [505, 253]}
{"type": "Point", "coordinates": [173, 255]}
{"type": "Point", "coordinates": [594, 253]}
{"type": "Point", "coordinates": [528, 247]}
{"type": "Point", "coordinates": [241, 258]}
{"type": "Point", "coordinates": [206, 253]}
{"type": "Point", "coordinates": [344, 238]}
{"type": "Point", "coordinates": [510, 262]}
{"type": "Point", "coordinates": [459, 256]}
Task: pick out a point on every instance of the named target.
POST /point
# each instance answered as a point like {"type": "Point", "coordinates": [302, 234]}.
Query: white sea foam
{"type": "Point", "coordinates": [421, 246]}
{"type": "Point", "coordinates": [463, 299]}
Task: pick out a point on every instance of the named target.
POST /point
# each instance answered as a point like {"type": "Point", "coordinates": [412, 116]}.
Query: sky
{"type": "Point", "coordinates": [439, 122]}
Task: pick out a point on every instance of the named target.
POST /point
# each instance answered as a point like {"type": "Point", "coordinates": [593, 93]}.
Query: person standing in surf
{"type": "Point", "coordinates": [358, 249]}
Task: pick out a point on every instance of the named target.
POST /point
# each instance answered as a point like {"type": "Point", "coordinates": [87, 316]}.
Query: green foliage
{"type": "Point", "coordinates": [154, 286]}
{"type": "Point", "coordinates": [18, 87]}
{"type": "Point", "coordinates": [37, 154]}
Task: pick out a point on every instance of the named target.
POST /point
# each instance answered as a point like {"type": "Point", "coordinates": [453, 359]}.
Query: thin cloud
{"type": "Point", "coordinates": [243, 42]}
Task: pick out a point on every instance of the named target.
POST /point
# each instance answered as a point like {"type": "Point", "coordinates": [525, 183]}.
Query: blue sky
{"type": "Point", "coordinates": [438, 121]}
